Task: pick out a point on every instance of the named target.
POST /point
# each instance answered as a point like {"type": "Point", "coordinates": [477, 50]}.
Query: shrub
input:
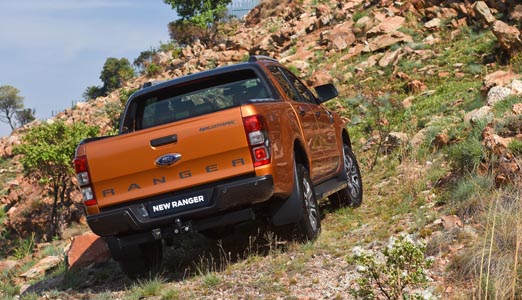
{"type": "Point", "coordinates": [92, 92]}
{"type": "Point", "coordinates": [152, 70]}
{"type": "Point", "coordinates": [402, 271]}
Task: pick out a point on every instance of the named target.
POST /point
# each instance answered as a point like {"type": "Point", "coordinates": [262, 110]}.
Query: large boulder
{"type": "Point", "coordinates": [509, 37]}
{"type": "Point", "coordinates": [86, 250]}
{"type": "Point", "coordinates": [386, 40]}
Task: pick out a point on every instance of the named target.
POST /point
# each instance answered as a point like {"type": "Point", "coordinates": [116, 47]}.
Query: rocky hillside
{"type": "Point", "coordinates": [432, 91]}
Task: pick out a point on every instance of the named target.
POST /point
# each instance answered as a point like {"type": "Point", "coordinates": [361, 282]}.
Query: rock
{"type": "Point", "coordinates": [497, 94]}
{"type": "Point", "coordinates": [433, 24]}
{"type": "Point", "coordinates": [447, 13]}
{"type": "Point", "coordinates": [301, 65]}
{"type": "Point", "coordinates": [509, 37]}
{"type": "Point", "coordinates": [41, 267]}
{"type": "Point", "coordinates": [516, 14]}
{"type": "Point", "coordinates": [441, 140]}
{"type": "Point", "coordinates": [386, 26]}
{"type": "Point", "coordinates": [478, 114]}
{"type": "Point", "coordinates": [386, 40]}
{"type": "Point", "coordinates": [451, 221]}
{"type": "Point", "coordinates": [162, 58]}
{"type": "Point", "coordinates": [353, 51]}
{"type": "Point", "coordinates": [323, 13]}
{"type": "Point", "coordinates": [7, 265]}
{"type": "Point", "coordinates": [517, 109]}
{"type": "Point", "coordinates": [516, 86]}
{"type": "Point", "coordinates": [407, 102]}
{"type": "Point", "coordinates": [416, 86]}
{"type": "Point", "coordinates": [493, 142]}
{"type": "Point", "coordinates": [390, 58]}
{"type": "Point", "coordinates": [498, 78]}
{"type": "Point", "coordinates": [320, 77]}
{"type": "Point", "coordinates": [87, 249]}
{"type": "Point", "coordinates": [370, 62]}
{"type": "Point", "coordinates": [482, 9]}
{"type": "Point", "coordinates": [187, 52]}
{"type": "Point", "coordinates": [339, 38]}
{"type": "Point", "coordinates": [363, 22]}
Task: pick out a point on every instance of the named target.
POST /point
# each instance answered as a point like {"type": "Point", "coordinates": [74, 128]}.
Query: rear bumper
{"type": "Point", "coordinates": [229, 203]}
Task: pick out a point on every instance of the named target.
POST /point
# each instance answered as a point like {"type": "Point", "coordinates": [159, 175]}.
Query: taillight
{"type": "Point", "coordinates": [81, 168]}
{"type": "Point", "coordinates": [257, 135]}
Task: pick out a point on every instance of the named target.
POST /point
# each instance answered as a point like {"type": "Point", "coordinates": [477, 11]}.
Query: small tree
{"type": "Point", "coordinates": [188, 9]}
{"type": "Point", "coordinates": [115, 72]}
{"type": "Point", "coordinates": [47, 153]}
{"type": "Point", "coordinates": [10, 103]}
{"type": "Point", "coordinates": [199, 20]}
{"type": "Point", "coordinates": [24, 116]}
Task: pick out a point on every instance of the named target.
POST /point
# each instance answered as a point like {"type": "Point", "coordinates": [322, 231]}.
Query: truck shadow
{"type": "Point", "coordinates": [198, 254]}
{"type": "Point", "coordinates": [190, 255]}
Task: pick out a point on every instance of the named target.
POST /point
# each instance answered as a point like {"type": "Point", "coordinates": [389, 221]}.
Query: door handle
{"type": "Point", "coordinates": [318, 114]}
{"type": "Point", "coordinates": [171, 139]}
{"type": "Point", "coordinates": [302, 112]}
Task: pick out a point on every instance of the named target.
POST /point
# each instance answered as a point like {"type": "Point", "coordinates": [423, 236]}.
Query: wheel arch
{"type": "Point", "coordinates": [300, 155]}
{"type": "Point", "coordinates": [346, 138]}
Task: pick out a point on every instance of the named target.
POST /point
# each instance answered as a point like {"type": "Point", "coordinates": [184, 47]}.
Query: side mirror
{"type": "Point", "coordinates": [326, 92]}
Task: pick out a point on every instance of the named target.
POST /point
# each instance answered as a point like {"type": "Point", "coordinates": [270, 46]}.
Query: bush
{"type": "Point", "coordinates": [402, 271]}
{"type": "Point", "coordinates": [466, 155]}
{"type": "Point", "coordinates": [92, 92]}
{"type": "Point", "coordinates": [152, 70]}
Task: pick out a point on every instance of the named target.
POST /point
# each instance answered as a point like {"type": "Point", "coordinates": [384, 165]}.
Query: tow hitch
{"type": "Point", "coordinates": [179, 227]}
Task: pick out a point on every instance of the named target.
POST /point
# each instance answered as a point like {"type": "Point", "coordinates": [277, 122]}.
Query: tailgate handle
{"type": "Point", "coordinates": [162, 141]}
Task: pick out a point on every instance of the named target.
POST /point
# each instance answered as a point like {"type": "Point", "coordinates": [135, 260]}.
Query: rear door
{"type": "Point", "coordinates": [326, 132]}
{"type": "Point", "coordinates": [306, 116]}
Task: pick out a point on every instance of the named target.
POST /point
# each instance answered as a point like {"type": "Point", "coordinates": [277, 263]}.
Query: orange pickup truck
{"type": "Point", "coordinates": [214, 149]}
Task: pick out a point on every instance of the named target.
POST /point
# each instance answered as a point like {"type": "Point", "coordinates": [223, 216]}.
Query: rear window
{"type": "Point", "coordinates": [194, 99]}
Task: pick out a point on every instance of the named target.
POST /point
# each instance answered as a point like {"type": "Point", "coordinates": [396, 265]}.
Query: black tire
{"type": "Point", "coordinates": [143, 260]}
{"type": "Point", "coordinates": [352, 195]}
{"type": "Point", "coordinates": [309, 226]}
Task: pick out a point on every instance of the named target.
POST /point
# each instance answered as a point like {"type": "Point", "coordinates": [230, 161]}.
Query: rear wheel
{"type": "Point", "coordinates": [352, 194]}
{"type": "Point", "coordinates": [309, 226]}
{"type": "Point", "coordinates": [142, 260]}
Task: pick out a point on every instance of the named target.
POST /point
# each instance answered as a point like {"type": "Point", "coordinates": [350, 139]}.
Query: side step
{"type": "Point", "coordinates": [329, 187]}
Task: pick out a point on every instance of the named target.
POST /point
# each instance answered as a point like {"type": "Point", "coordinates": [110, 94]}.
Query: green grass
{"type": "Point", "coordinates": [515, 147]}
{"type": "Point", "coordinates": [506, 106]}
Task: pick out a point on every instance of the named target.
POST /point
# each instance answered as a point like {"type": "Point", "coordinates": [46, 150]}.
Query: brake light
{"type": "Point", "coordinates": [80, 164]}
{"type": "Point", "coordinates": [81, 168]}
{"type": "Point", "coordinates": [257, 135]}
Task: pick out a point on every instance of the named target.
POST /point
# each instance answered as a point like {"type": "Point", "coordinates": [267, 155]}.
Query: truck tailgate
{"type": "Point", "coordinates": [201, 149]}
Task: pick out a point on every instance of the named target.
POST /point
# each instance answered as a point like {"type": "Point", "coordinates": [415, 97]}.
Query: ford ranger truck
{"type": "Point", "coordinates": [210, 150]}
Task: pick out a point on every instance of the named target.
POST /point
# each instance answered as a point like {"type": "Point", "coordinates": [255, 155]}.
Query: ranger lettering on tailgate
{"type": "Point", "coordinates": [181, 175]}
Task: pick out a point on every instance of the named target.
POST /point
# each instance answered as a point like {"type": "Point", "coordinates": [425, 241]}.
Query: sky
{"type": "Point", "coordinates": [52, 50]}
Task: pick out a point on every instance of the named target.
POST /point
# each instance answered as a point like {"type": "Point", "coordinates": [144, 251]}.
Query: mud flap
{"type": "Point", "coordinates": [290, 210]}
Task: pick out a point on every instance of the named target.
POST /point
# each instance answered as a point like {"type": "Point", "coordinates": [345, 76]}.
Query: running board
{"type": "Point", "coordinates": [329, 187]}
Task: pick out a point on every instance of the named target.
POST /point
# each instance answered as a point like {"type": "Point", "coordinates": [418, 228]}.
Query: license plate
{"type": "Point", "coordinates": [177, 204]}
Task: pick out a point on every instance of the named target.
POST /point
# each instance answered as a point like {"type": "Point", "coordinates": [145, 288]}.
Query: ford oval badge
{"type": "Point", "coordinates": [167, 159]}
